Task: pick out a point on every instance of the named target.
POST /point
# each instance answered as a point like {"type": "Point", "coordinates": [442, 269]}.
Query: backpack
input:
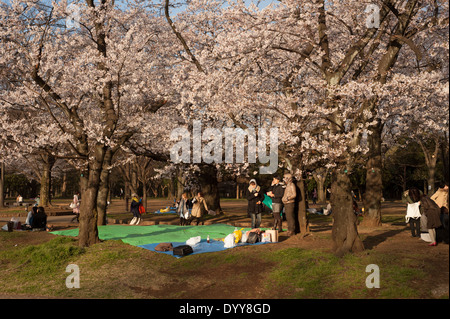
{"type": "Point", "coordinates": [141, 209]}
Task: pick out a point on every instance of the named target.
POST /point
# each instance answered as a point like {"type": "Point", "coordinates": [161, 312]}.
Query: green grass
{"type": "Point", "coordinates": [316, 274]}
{"type": "Point", "coordinates": [291, 272]}
{"type": "Point", "coordinates": [35, 268]}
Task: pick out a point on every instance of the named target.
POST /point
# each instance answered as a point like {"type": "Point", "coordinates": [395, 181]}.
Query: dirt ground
{"type": "Point", "coordinates": [392, 237]}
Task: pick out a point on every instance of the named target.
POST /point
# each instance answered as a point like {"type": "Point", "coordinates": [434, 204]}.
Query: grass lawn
{"type": "Point", "coordinates": [34, 264]}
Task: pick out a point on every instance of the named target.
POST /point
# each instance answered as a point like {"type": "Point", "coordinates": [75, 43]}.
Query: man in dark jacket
{"type": "Point", "coordinates": [254, 198]}
{"type": "Point", "coordinates": [276, 192]}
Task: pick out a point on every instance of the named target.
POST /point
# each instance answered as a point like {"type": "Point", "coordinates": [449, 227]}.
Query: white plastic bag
{"type": "Point", "coordinates": [193, 241]}
{"type": "Point", "coordinates": [229, 241]}
{"type": "Point", "coordinates": [211, 212]}
{"type": "Point", "coordinates": [426, 237]}
{"type": "Point", "coordinates": [265, 237]}
{"type": "Point", "coordinates": [244, 237]}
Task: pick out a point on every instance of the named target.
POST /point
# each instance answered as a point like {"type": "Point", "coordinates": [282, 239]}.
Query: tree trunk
{"type": "Point", "coordinates": [319, 176]}
{"type": "Point", "coordinates": [374, 183]}
{"type": "Point", "coordinates": [90, 183]}
{"type": "Point", "coordinates": [144, 195]}
{"type": "Point", "coordinates": [64, 185]}
{"type": "Point", "coordinates": [302, 219]}
{"type": "Point", "coordinates": [209, 186]}
{"type": "Point", "coordinates": [46, 180]}
{"type": "Point", "coordinates": [103, 191]}
{"type": "Point", "coordinates": [430, 161]}
{"type": "Point", "coordinates": [344, 232]}
{"type": "Point", "coordinates": [180, 186]}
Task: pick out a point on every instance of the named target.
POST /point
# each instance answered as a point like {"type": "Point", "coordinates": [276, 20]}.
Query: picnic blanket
{"type": "Point", "coordinates": [202, 247]}
{"type": "Point", "coordinates": [149, 236]}
{"type": "Point", "coordinates": [167, 210]}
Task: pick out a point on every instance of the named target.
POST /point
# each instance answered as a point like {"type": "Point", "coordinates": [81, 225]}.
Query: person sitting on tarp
{"type": "Point", "coordinates": [183, 209]}
{"type": "Point", "coordinates": [30, 216]}
{"type": "Point", "coordinates": [39, 220]}
{"type": "Point", "coordinates": [254, 207]}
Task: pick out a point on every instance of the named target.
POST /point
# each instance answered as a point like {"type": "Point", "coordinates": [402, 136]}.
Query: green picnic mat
{"type": "Point", "coordinates": [141, 235]}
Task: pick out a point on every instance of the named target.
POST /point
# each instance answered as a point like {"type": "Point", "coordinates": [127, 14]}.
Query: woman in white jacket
{"type": "Point", "coordinates": [413, 213]}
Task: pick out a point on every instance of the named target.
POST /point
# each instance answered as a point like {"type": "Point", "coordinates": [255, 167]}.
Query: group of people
{"type": "Point", "coordinates": [282, 194]}
{"type": "Point", "coordinates": [191, 210]}
{"type": "Point", "coordinates": [427, 214]}
{"type": "Point", "coordinates": [36, 219]}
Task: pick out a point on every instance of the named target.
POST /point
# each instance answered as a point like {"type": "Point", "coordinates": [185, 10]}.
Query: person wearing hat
{"type": "Point", "coordinates": [290, 193]}
{"type": "Point", "coordinates": [276, 191]}
{"type": "Point", "coordinates": [254, 197]}
{"type": "Point", "coordinates": [134, 209]}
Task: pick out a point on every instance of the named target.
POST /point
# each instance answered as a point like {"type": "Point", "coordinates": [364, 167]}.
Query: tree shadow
{"type": "Point", "coordinates": [374, 240]}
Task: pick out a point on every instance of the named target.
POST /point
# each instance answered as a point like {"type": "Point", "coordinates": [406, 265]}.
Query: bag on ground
{"type": "Point", "coordinates": [253, 237]}
{"type": "Point", "coordinates": [164, 247]}
{"type": "Point", "coordinates": [229, 241]}
{"type": "Point", "coordinates": [182, 250]}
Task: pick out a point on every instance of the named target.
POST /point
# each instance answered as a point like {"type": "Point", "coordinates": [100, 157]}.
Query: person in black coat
{"type": "Point", "coordinates": [433, 213]}
{"type": "Point", "coordinates": [276, 192]}
{"type": "Point", "coordinates": [255, 196]}
{"type": "Point", "coordinates": [39, 219]}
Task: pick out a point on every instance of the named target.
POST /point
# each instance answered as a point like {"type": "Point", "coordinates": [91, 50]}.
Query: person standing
{"type": "Point", "coordinates": [414, 211]}
{"type": "Point", "coordinates": [440, 197]}
{"type": "Point", "coordinates": [276, 192]}
{"type": "Point", "coordinates": [75, 205]}
{"type": "Point", "coordinates": [199, 207]}
{"type": "Point", "coordinates": [134, 209]}
{"type": "Point", "coordinates": [254, 206]}
{"type": "Point", "coordinates": [183, 209]}
{"type": "Point", "coordinates": [290, 194]}
{"type": "Point", "coordinates": [433, 214]}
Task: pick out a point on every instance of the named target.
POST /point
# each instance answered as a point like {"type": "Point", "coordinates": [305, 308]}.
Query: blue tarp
{"type": "Point", "coordinates": [202, 247]}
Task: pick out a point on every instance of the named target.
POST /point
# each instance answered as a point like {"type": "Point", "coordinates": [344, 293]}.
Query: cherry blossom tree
{"type": "Point", "coordinates": [86, 86]}
{"type": "Point", "coordinates": [318, 71]}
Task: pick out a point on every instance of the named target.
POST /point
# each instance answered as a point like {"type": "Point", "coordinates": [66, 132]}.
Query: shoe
{"type": "Point", "coordinates": [138, 220]}
{"type": "Point", "coordinates": [433, 244]}
{"type": "Point", "coordinates": [133, 221]}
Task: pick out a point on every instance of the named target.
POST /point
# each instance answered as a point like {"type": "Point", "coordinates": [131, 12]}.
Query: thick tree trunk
{"type": "Point", "coordinates": [301, 218]}
{"type": "Point", "coordinates": [374, 183]}
{"type": "Point", "coordinates": [90, 183]}
{"type": "Point", "coordinates": [179, 180]}
{"type": "Point", "coordinates": [344, 232]}
{"type": "Point", "coordinates": [319, 176]}
{"type": "Point", "coordinates": [209, 186]}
